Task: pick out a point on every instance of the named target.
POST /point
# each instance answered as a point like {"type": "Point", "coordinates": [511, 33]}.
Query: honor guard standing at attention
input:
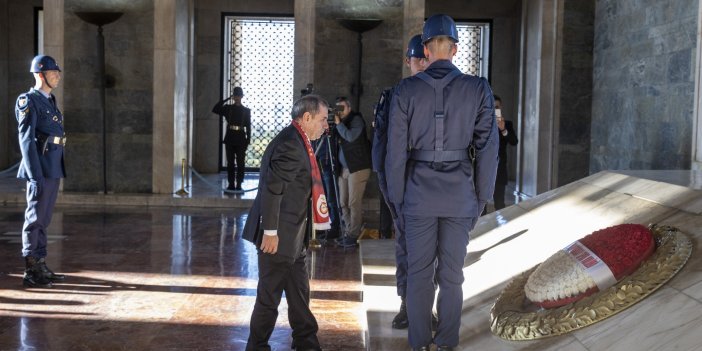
{"type": "Point", "coordinates": [416, 62]}
{"type": "Point", "coordinates": [237, 138]}
{"type": "Point", "coordinates": [435, 118]}
{"type": "Point", "coordinates": [41, 140]}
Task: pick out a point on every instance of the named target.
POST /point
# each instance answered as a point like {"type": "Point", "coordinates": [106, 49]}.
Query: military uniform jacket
{"type": "Point", "coordinates": [457, 189]}
{"type": "Point", "coordinates": [235, 115]}
{"type": "Point", "coordinates": [284, 192]}
{"type": "Point", "coordinates": [38, 118]}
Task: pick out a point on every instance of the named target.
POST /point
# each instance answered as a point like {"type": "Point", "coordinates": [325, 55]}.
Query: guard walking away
{"type": "Point", "coordinates": [237, 138]}
{"type": "Point", "coordinates": [416, 62]}
{"type": "Point", "coordinates": [42, 140]}
{"type": "Point", "coordinates": [432, 179]}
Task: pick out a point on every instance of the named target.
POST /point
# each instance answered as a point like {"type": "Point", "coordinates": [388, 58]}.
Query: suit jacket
{"type": "Point", "coordinates": [511, 139]}
{"type": "Point", "coordinates": [37, 119]}
{"type": "Point", "coordinates": [457, 190]}
{"type": "Point", "coordinates": [284, 193]}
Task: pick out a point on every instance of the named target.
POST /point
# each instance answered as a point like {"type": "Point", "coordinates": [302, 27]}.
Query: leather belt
{"type": "Point", "coordinates": [236, 128]}
{"type": "Point", "coordinates": [56, 140]}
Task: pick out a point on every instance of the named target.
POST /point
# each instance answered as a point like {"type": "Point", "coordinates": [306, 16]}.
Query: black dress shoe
{"type": "Point", "coordinates": [423, 348]}
{"type": "Point", "coordinates": [401, 321]}
{"type": "Point", "coordinates": [444, 348]}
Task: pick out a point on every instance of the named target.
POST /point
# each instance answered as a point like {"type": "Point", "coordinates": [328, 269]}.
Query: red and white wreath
{"type": "Point", "coordinates": [591, 264]}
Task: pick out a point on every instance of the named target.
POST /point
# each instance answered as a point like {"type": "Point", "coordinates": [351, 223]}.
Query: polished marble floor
{"type": "Point", "coordinates": [160, 279]}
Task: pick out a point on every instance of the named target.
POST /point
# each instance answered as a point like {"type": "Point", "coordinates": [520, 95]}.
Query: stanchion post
{"type": "Point", "coordinates": [182, 190]}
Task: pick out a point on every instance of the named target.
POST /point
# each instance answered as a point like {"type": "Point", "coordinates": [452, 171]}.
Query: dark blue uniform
{"type": "Point", "coordinates": [439, 190]}
{"type": "Point", "coordinates": [41, 140]}
{"type": "Point", "coordinates": [379, 152]}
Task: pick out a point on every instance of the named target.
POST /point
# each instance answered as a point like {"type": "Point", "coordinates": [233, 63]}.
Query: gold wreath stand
{"type": "Point", "coordinates": [513, 318]}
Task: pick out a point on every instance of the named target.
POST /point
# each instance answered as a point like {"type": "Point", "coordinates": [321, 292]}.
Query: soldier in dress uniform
{"type": "Point", "coordinates": [436, 117]}
{"type": "Point", "coordinates": [237, 138]}
{"type": "Point", "coordinates": [41, 140]}
{"type": "Point", "coordinates": [416, 62]}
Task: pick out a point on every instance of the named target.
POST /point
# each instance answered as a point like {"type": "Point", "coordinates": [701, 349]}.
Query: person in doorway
{"type": "Point", "coordinates": [290, 204]}
{"type": "Point", "coordinates": [507, 137]}
{"type": "Point", "coordinates": [42, 140]}
{"type": "Point", "coordinates": [237, 138]}
{"type": "Point", "coordinates": [431, 177]}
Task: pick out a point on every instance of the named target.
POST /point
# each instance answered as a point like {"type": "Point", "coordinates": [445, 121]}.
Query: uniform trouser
{"type": "Point", "coordinates": [235, 173]}
{"type": "Point", "coordinates": [277, 274]}
{"type": "Point", "coordinates": [351, 189]}
{"type": "Point", "coordinates": [444, 239]}
{"type": "Point", "coordinates": [41, 197]}
{"type": "Point", "coordinates": [400, 242]}
{"type": "Point", "coordinates": [498, 196]}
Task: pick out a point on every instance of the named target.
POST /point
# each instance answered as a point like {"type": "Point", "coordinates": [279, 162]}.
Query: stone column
{"type": "Point", "coordinates": [539, 95]}
{"type": "Point", "coordinates": [53, 37]}
{"type": "Point", "coordinates": [5, 107]}
{"type": "Point", "coordinates": [172, 93]}
{"type": "Point", "coordinates": [697, 114]}
{"type": "Point", "coordinates": [414, 13]}
{"type": "Point", "coordinates": [304, 44]}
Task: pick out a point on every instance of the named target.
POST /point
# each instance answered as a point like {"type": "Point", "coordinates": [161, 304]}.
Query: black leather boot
{"type": "Point", "coordinates": [400, 321]}
{"type": "Point", "coordinates": [33, 275]}
{"type": "Point", "coordinates": [48, 273]}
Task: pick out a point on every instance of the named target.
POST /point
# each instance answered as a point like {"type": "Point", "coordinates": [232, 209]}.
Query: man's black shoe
{"type": "Point", "coordinates": [48, 273]}
{"type": "Point", "coordinates": [400, 321]}
{"type": "Point", "coordinates": [444, 348]}
{"type": "Point", "coordinates": [423, 348]}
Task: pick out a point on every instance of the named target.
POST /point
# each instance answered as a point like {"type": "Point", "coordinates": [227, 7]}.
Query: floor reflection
{"type": "Point", "coordinates": [157, 279]}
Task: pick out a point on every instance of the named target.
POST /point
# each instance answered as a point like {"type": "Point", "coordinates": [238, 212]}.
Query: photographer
{"type": "Point", "coordinates": [355, 160]}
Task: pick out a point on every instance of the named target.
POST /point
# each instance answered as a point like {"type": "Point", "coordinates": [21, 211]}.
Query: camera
{"type": "Point", "coordinates": [334, 111]}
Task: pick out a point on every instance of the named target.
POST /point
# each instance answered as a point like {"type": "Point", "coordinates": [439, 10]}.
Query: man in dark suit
{"type": "Point", "coordinates": [237, 138]}
{"type": "Point", "coordinates": [41, 140]}
{"type": "Point", "coordinates": [280, 223]}
{"type": "Point", "coordinates": [507, 136]}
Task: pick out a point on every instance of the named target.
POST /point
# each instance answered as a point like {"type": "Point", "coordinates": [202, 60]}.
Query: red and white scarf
{"type": "Point", "coordinates": [319, 199]}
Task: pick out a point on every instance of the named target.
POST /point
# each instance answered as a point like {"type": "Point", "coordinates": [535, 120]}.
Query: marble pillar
{"type": "Point", "coordinates": [539, 95]}
{"type": "Point", "coordinates": [305, 16]}
{"type": "Point", "coordinates": [697, 112]}
{"type": "Point", "coordinates": [172, 103]}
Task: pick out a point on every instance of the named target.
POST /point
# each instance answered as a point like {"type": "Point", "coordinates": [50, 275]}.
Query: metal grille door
{"type": "Point", "coordinates": [472, 56]}
{"type": "Point", "coordinates": [260, 59]}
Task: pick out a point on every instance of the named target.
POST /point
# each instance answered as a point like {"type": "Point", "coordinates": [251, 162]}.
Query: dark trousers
{"type": "Point", "coordinates": [400, 243]}
{"type": "Point", "coordinates": [235, 173]}
{"type": "Point", "coordinates": [499, 196]}
{"type": "Point", "coordinates": [277, 274]}
{"type": "Point", "coordinates": [385, 219]}
{"type": "Point", "coordinates": [41, 197]}
{"type": "Point", "coordinates": [445, 240]}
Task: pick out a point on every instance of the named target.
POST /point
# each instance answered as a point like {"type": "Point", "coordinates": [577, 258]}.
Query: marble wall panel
{"type": "Point", "coordinates": [643, 84]}
{"type": "Point", "coordinates": [16, 52]}
{"type": "Point", "coordinates": [129, 45]}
